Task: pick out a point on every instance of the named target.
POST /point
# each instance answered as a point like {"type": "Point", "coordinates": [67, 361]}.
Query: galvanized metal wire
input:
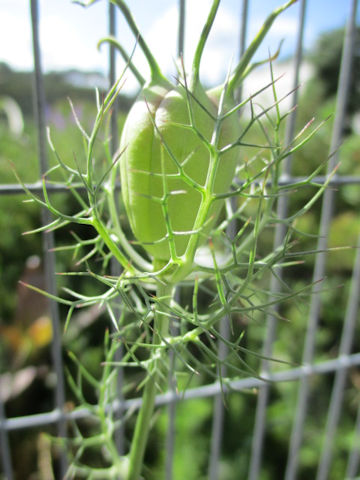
{"type": "Point", "coordinates": [275, 287]}
{"type": "Point", "coordinates": [320, 263]}
{"type": "Point", "coordinates": [206, 391]}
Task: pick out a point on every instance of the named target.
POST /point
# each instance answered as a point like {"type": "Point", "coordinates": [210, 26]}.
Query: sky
{"type": "Point", "coordinates": [69, 33]}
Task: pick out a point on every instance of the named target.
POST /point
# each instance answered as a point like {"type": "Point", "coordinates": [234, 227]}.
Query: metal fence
{"type": "Point", "coordinates": [338, 365]}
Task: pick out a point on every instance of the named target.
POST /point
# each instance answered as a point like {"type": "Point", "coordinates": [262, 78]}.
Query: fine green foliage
{"type": "Point", "coordinates": [190, 171]}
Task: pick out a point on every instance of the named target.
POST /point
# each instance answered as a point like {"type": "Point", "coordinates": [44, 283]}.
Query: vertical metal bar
{"type": "Point", "coordinates": [171, 431]}
{"type": "Point", "coordinates": [114, 266]}
{"type": "Point", "coordinates": [112, 78]}
{"type": "Point", "coordinates": [4, 446]}
{"type": "Point", "coordinates": [48, 238]}
{"type": "Point", "coordinates": [243, 26]}
{"type": "Point", "coordinates": [353, 468]}
{"type": "Point", "coordinates": [181, 29]}
{"type": "Point", "coordinates": [218, 416]}
{"type": "Point", "coordinates": [320, 263]}
{"type": "Point", "coordinates": [242, 37]}
{"type": "Point", "coordinates": [275, 285]}
{"type": "Point", "coordinates": [171, 412]}
{"type": "Point", "coordinates": [340, 376]}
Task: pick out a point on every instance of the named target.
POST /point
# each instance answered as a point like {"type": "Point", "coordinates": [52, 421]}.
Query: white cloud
{"type": "Point", "coordinates": [69, 35]}
{"type": "Point", "coordinates": [15, 36]}
{"type": "Point", "coordinates": [64, 46]}
{"type": "Point", "coordinates": [66, 35]}
{"type": "Point", "coordinates": [162, 39]}
{"type": "Point", "coordinates": [222, 47]}
{"type": "Point", "coordinates": [284, 28]}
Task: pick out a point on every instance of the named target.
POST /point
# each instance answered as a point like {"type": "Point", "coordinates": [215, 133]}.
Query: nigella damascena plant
{"type": "Point", "coordinates": [185, 176]}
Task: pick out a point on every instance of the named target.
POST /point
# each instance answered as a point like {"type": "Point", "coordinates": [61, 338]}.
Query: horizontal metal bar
{"type": "Point", "coordinates": [37, 187]}
{"type": "Point", "coordinates": [43, 419]}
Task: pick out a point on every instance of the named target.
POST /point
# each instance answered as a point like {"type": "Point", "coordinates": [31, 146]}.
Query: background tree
{"type": "Point", "coordinates": [326, 58]}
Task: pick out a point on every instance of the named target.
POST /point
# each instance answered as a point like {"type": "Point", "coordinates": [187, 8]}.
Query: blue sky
{"type": "Point", "coordinates": [69, 33]}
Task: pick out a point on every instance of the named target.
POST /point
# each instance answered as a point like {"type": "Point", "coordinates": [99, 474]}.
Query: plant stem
{"type": "Point", "coordinates": [200, 46]}
{"type": "Point", "coordinates": [237, 76]}
{"type": "Point", "coordinates": [128, 59]}
{"type": "Point", "coordinates": [156, 74]}
{"type": "Point", "coordinates": [143, 422]}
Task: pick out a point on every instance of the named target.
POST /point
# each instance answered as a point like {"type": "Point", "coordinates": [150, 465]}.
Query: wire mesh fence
{"type": "Point", "coordinates": [340, 362]}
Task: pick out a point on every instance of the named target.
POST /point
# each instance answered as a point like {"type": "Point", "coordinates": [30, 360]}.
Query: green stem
{"type": "Point", "coordinates": [117, 460]}
{"type": "Point", "coordinates": [105, 235]}
{"type": "Point", "coordinates": [113, 42]}
{"type": "Point", "coordinates": [252, 48]}
{"type": "Point", "coordinates": [156, 74]}
{"type": "Point", "coordinates": [200, 46]}
{"type": "Point", "coordinates": [143, 422]}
